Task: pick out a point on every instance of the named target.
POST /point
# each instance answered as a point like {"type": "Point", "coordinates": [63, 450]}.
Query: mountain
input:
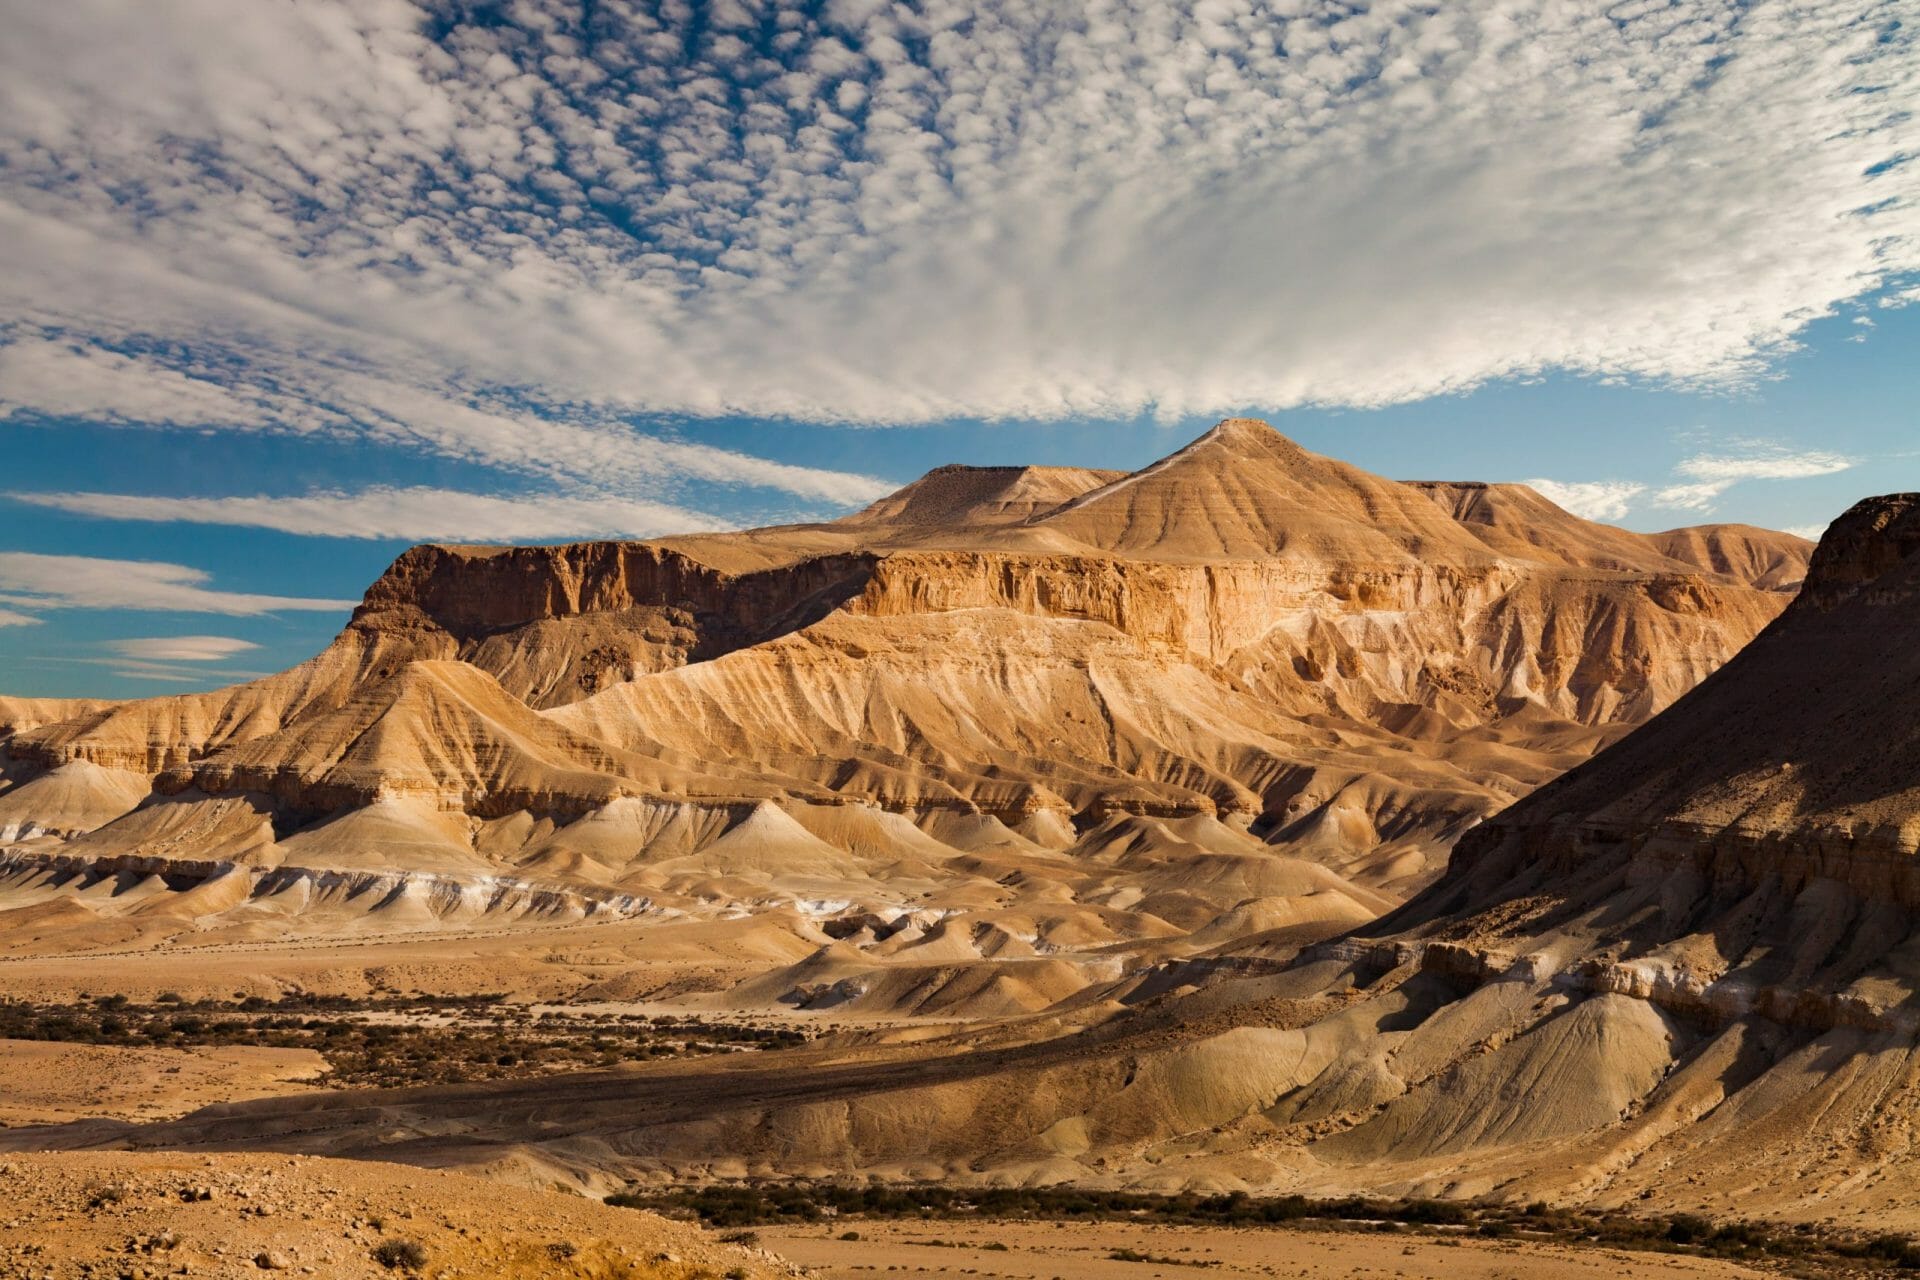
{"type": "Point", "coordinates": [1783, 794]}
{"type": "Point", "coordinates": [976, 497]}
{"type": "Point", "coordinates": [1247, 687]}
{"type": "Point", "coordinates": [1681, 978]}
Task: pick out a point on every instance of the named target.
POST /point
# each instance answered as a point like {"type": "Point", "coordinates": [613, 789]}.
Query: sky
{"type": "Point", "coordinates": [285, 288]}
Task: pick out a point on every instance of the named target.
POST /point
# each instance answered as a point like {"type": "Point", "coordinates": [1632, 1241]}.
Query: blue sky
{"type": "Point", "coordinates": [284, 289]}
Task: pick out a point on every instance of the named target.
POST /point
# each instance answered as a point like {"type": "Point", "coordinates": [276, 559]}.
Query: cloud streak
{"type": "Point", "coordinates": [505, 240]}
{"type": "Point", "coordinates": [181, 648]}
{"type": "Point", "coordinates": [1711, 475]}
{"type": "Point", "coordinates": [416, 514]}
{"type": "Point", "coordinates": [1701, 480]}
{"type": "Point", "coordinates": [33, 581]}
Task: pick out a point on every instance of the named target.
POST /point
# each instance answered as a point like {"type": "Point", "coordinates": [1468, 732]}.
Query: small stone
{"type": "Point", "coordinates": [268, 1260]}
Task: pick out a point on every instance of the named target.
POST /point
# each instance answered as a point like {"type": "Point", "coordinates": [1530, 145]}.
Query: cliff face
{"type": "Point", "coordinates": [1755, 847]}
{"type": "Point", "coordinates": [1243, 634]}
{"type": "Point", "coordinates": [1682, 977]}
{"type": "Point", "coordinates": [554, 624]}
{"type": "Point", "coordinates": [1804, 736]}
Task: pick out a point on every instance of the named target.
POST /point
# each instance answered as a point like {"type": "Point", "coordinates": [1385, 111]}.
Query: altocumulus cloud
{"type": "Point", "coordinates": [493, 239]}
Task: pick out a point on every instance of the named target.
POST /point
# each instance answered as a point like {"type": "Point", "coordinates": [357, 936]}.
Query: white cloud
{"type": "Point", "coordinates": [1811, 532]}
{"type": "Point", "coordinates": [12, 618]}
{"type": "Point", "coordinates": [41, 377]}
{"type": "Point", "coordinates": [415, 514]}
{"type": "Point", "coordinates": [1700, 496]}
{"type": "Point", "coordinates": [1703, 479]}
{"type": "Point", "coordinates": [1711, 475]}
{"type": "Point", "coordinates": [316, 217]}
{"type": "Point", "coordinates": [1591, 499]}
{"type": "Point", "coordinates": [181, 648]}
{"type": "Point", "coordinates": [84, 582]}
{"type": "Point", "coordinates": [1769, 464]}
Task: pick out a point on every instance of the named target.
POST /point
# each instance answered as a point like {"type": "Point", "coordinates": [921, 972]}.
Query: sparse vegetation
{"type": "Point", "coordinates": [1799, 1249]}
{"type": "Point", "coordinates": [394, 1040]}
{"type": "Point", "coordinates": [1134, 1255]}
{"type": "Point", "coordinates": [400, 1255]}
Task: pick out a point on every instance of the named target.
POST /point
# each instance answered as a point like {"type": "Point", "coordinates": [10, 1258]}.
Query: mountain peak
{"type": "Point", "coordinates": [969, 496]}
{"type": "Point", "coordinates": [1247, 432]}
{"type": "Point", "coordinates": [1243, 490]}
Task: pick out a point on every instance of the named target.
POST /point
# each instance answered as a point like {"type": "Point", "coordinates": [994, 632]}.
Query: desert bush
{"type": "Point", "coordinates": [1898, 1250]}
{"type": "Point", "coordinates": [400, 1255]}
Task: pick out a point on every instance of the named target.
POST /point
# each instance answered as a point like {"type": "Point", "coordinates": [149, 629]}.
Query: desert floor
{"type": "Point", "coordinates": [1083, 1251]}
{"type": "Point", "coordinates": [131, 1215]}
{"type": "Point", "coordinates": [42, 1082]}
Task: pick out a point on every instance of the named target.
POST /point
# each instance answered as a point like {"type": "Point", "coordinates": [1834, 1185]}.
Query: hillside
{"type": "Point", "coordinates": [1072, 708]}
{"type": "Point", "coordinates": [1681, 978]}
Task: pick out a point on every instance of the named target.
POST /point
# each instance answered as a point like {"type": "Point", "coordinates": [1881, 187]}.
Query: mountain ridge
{"type": "Point", "coordinates": [1243, 654]}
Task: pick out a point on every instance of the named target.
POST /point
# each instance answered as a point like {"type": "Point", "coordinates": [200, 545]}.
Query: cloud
{"type": "Point", "coordinates": [1702, 479]}
{"type": "Point", "coordinates": [1591, 499]}
{"type": "Point", "coordinates": [84, 582]}
{"type": "Point", "coordinates": [181, 648]}
{"type": "Point", "coordinates": [11, 618]}
{"type": "Point", "coordinates": [43, 378]}
{"type": "Point", "coordinates": [1711, 475]}
{"type": "Point", "coordinates": [1771, 463]}
{"type": "Point", "coordinates": [413, 514]}
{"type": "Point", "coordinates": [1811, 532]}
{"type": "Point", "coordinates": [512, 239]}
{"type": "Point", "coordinates": [1691, 497]}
